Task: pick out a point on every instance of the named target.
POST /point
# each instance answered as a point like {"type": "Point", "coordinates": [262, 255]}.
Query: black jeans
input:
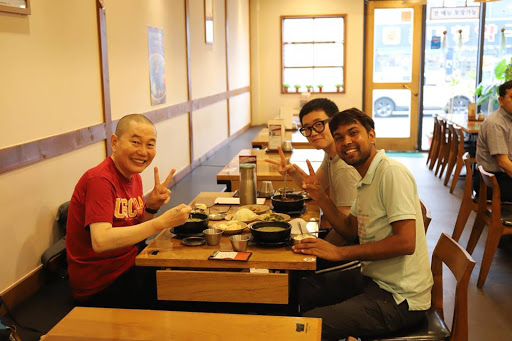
{"type": "Point", "coordinates": [504, 181]}
{"type": "Point", "coordinates": [350, 304]}
{"type": "Point", "coordinates": [134, 289]}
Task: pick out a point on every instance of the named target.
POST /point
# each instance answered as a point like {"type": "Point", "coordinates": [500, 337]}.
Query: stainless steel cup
{"type": "Point", "coordinates": [287, 146]}
{"type": "Point", "coordinates": [212, 236]}
{"type": "Point", "coordinates": [239, 242]}
{"type": "Point", "coordinates": [266, 188]}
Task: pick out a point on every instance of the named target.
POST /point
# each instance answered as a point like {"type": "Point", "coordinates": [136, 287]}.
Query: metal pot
{"type": "Point", "coordinates": [293, 203]}
{"type": "Point", "coordinates": [193, 227]}
{"type": "Point", "coordinates": [271, 237]}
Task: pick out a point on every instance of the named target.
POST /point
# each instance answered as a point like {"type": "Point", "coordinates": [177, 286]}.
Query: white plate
{"type": "Point", "coordinates": [229, 230]}
{"type": "Point", "coordinates": [258, 209]}
{"type": "Point", "coordinates": [230, 216]}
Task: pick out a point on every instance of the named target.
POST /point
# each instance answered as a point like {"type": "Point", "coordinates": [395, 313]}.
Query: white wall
{"type": "Point", "coordinates": [266, 54]}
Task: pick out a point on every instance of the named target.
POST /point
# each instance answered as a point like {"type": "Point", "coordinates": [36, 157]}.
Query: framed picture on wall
{"type": "Point", "coordinates": [208, 21]}
{"type": "Point", "coordinates": [15, 6]}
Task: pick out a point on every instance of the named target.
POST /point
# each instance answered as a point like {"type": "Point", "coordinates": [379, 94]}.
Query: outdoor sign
{"type": "Point", "coordinates": [443, 13]}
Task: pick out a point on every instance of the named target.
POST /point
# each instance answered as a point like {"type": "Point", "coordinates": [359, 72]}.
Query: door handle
{"type": "Point", "coordinates": [415, 94]}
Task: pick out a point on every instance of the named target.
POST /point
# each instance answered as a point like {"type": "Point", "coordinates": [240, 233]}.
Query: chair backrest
{"type": "Point", "coordinates": [427, 217]}
{"type": "Point", "coordinates": [488, 180]}
{"type": "Point", "coordinates": [468, 186]}
{"type": "Point", "coordinates": [62, 218]}
{"type": "Point", "coordinates": [460, 263]}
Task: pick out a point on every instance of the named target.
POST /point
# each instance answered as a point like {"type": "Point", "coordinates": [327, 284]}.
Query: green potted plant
{"type": "Point", "coordinates": [338, 87]}
{"type": "Point", "coordinates": [309, 87]}
{"type": "Point", "coordinates": [285, 87]}
{"type": "Point", "coordinates": [488, 91]}
{"type": "Point", "coordinates": [320, 87]}
{"type": "Point", "coordinates": [297, 87]}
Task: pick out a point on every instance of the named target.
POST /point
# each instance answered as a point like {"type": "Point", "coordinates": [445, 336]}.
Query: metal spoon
{"type": "Point", "coordinates": [283, 196]}
{"type": "Point", "coordinates": [300, 228]}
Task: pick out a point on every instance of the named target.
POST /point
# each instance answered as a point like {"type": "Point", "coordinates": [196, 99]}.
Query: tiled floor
{"type": "Point", "coordinates": [490, 308]}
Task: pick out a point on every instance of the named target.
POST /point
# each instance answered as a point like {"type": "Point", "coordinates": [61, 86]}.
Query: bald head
{"type": "Point", "coordinates": [124, 123]}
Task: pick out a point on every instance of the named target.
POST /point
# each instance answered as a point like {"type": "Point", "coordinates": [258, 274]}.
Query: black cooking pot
{"type": "Point", "coordinates": [271, 237]}
{"type": "Point", "coordinates": [292, 203]}
{"type": "Point", "coordinates": [192, 227]}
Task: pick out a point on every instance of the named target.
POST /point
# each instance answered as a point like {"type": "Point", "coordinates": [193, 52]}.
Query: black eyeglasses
{"type": "Point", "coordinates": [317, 126]}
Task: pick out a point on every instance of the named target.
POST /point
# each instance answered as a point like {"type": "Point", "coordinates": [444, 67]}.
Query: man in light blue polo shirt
{"type": "Point", "coordinates": [392, 290]}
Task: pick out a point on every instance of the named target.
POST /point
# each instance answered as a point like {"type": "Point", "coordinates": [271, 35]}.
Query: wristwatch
{"type": "Point", "coordinates": [150, 210]}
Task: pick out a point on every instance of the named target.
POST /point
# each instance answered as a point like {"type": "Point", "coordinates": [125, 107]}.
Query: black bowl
{"type": "Point", "coordinates": [293, 203]}
{"type": "Point", "coordinates": [191, 227]}
{"type": "Point", "coordinates": [271, 237]}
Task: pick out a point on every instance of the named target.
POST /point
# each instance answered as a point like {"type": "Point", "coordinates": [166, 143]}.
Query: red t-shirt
{"type": "Point", "coordinates": [102, 194]}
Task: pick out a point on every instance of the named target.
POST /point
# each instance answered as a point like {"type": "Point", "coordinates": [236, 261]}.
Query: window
{"type": "Point", "coordinates": [313, 54]}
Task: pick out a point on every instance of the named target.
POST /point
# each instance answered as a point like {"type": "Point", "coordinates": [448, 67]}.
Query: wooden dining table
{"type": "Point", "coordinates": [298, 140]}
{"type": "Point", "coordinates": [84, 323]}
{"type": "Point", "coordinates": [230, 174]}
{"type": "Point", "coordinates": [186, 273]}
{"type": "Point", "coordinates": [470, 127]}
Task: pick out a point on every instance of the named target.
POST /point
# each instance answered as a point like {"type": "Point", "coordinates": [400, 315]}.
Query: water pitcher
{"type": "Point", "coordinates": [247, 184]}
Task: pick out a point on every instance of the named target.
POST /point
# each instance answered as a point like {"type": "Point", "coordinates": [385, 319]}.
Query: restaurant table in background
{"type": "Point", "coordinates": [470, 127]}
{"type": "Point", "coordinates": [130, 324]}
{"type": "Point", "coordinates": [230, 174]}
{"type": "Point", "coordinates": [190, 276]}
{"type": "Point", "coordinates": [298, 141]}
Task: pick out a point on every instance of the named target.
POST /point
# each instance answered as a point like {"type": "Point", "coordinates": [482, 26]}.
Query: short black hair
{"type": "Point", "coordinates": [328, 106]}
{"type": "Point", "coordinates": [349, 116]}
{"type": "Point", "coordinates": [124, 122]}
{"type": "Point", "coordinates": [502, 90]}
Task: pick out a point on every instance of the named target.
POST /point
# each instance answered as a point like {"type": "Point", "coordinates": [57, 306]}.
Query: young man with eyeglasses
{"type": "Point", "coordinates": [334, 173]}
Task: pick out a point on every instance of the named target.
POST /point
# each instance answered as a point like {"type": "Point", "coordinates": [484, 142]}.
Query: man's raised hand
{"type": "Point", "coordinates": [160, 194]}
{"type": "Point", "coordinates": [284, 166]}
{"type": "Point", "coordinates": [311, 184]}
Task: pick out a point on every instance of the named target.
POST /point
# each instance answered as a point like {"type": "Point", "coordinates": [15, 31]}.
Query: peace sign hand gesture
{"type": "Point", "coordinates": [284, 166]}
{"type": "Point", "coordinates": [311, 184]}
{"type": "Point", "coordinates": [160, 194]}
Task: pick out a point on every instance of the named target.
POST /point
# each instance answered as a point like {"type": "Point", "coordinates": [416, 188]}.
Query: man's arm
{"type": "Point", "coordinates": [105, 238]}
{"type": "Point", "coordinates": [401, 242]}
{"type": "Point", "coordinates": [505, 163]}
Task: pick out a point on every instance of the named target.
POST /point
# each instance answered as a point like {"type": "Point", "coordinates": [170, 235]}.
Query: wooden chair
{"type": "Point", "coordinates": [498, 217]}
{"type": "Point", "coordinates": [447, 152]}
{"type": "Point", "coordinates": [468, 203]}
{"type": "Point", "coordinates": [450, 253]}
{"type": "Point", "coordinates": [427, 217]}
{"type": "Point", "coordinates": [460, 153]}
{"type": "Point", "coordinates": [435, 142]}
{"type": "Point", "coordinates": [444, 149]}
{"type": "Point", "coordinates": [454, 151]}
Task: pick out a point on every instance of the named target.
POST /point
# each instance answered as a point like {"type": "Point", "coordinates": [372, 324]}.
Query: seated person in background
{"type": "Point", "coordinates": [391, 291]}
{"type": "Point", "coordinates": [494, 144]}
{"type": "Point", "coordinates": [334, 173]}
{"type": "Point", "coordinates": [108, 217]}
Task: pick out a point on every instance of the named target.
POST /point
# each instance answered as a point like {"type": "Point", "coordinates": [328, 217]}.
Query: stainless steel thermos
{"type": "Point", "coordinates": [247, 188]}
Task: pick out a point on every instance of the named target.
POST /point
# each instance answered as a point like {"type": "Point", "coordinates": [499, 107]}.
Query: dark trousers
{"type": "Point", "coordinates": [504, 181]}
{"type": "Point", "coordinates": [350, 304]}
{"type": "Point", "coordinates": [134, 289]}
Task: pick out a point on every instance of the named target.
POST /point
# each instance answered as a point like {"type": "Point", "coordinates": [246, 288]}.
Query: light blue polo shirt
{"type": "Point", "coordinates": [386, 194]}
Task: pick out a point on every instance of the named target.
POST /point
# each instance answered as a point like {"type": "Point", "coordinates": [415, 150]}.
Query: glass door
{"type": "Point", "coordinates": [392, 76]}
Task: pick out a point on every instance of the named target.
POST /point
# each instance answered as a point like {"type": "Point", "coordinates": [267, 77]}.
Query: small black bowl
{"type": "Point", "coordinates": [192, 227]}
{"type": "Point", "coordinates": [271, 237]}
{"type": "Point", "coordinates": [293, 203]}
